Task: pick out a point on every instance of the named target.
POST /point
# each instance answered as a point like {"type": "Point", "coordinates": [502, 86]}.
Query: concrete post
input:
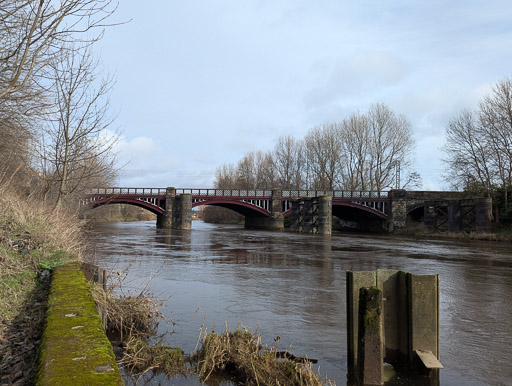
{"type": "Point", "coordinates": [325, 215]}
{"type": "Point", "coordinates": [164, 221]}
{"type": "Point", "coordinates": [276, 219]}
{"type": "Point", "coordinates": [182, 212]}
{"type": "Point", "coordinates": [355, 281]}
{"type": "Point", "coordinates": [393, 285]}
{"type": "Point", "coordinates": [423, 310]}
{"type": "Point", "coordinates": [370, 356]}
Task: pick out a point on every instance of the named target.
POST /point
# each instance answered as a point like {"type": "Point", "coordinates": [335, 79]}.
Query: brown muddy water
{"type": "Point", "coordinates": [292, 286]}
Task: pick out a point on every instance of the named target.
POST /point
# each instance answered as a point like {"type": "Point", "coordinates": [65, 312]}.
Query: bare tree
{"type": "Point", "coordinates": [265, 172]}
{"type": "Point", "coordinates": [225, 177]}
{"type": "Point", "coordinates": [496, 122]}
{"type": "Point", "coordinates": [469, 158]}
{"type": "Point", "coordinates": [16, 152]}
{"type": "Point", "coordinates": [246, 172]}
{"type": "Point", "coordinates": [79, 149]}
{"type": "Point", "coordinates": [289, 163]}
{"type": "Point", "coordinates": [324, 155]}
{"type": "Point", "coordinates": [363, 152]}
{"type": "Point", "coordinates": [391, 142]}
{"type": "Point", "coordinates": [34, 32]}
{"type": "Point", "coordinates": [356, 148]}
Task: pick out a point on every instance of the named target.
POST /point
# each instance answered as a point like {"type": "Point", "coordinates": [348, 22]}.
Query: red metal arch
{"type": "Point", "coordinates": [361, 207]}
{"type": "Point", "coordinates": [233, 202]}
{"type": "Point", "coordinates": [130, 201]}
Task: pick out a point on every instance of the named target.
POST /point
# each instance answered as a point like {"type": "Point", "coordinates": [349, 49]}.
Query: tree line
{"type": "Point", "coordinates": [479, 149]}
{"type": "Point", "coordinates": [365, 151]}
{"type": "Point", "coordinates": [54, 97]}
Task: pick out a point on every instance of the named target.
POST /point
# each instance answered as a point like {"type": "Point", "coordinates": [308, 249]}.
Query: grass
{"type": "Point", "coordinates": [32, 238]}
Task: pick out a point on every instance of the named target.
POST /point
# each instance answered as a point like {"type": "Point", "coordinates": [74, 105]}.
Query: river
{"type": "Point", "coordinates": [292, 286]}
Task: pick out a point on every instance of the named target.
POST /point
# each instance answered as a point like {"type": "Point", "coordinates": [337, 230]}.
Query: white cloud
{"type": "Point", "coordinates": [361, 76]}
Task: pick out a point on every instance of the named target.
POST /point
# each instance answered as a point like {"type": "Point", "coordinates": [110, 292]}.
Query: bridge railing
{"type": "Point", "coordinates": [241, 193]}
{"type": "Point", "coordinates": [245, 193]}
{"type": "Point", "coordinates": [127, 191]}
{"type": "Point", "coordinates": [334, 193]}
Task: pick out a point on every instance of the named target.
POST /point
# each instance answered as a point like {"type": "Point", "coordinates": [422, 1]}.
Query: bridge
{"type": "Point", "coordinates": [308, 211]}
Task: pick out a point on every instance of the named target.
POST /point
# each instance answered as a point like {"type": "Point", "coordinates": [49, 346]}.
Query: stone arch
{"type": "Point", "coordinates": [415, 212]}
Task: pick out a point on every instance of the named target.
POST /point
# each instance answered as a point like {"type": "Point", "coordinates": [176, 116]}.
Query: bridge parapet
{"type": "Point", "coordinates": [126, 191]}
{"type": "Point", "coordinates": [294, 194]}
{"type": "Point", "coordinates": [237, 193]}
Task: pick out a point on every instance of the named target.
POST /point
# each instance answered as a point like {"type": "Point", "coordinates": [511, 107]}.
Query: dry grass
{"type": "Point", "coordinates": [240, 353]}
{"type": "Point", "coordinates": [33, 237]}
{"type": "Point", "coordinates": [128, 316]}
{"type": "Point", "coordinates": [139, 358]}
{"type": "Point", "coordinates": [54, 229]}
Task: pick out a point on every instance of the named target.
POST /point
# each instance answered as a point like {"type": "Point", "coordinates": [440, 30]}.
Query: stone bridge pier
{"type": "Point", "coordinates": [178, 211]}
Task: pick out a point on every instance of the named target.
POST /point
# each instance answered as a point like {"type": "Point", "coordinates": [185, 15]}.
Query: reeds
{"type": "Point", "coordinates": [139, 357]}
{"type": "Point", "coordinates": [128, 316]}
{"type": "Point", "coordinates": [242, 354]}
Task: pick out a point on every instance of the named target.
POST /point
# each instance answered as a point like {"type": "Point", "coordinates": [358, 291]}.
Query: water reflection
{"type": "Point", "coordinates": [293, 286]}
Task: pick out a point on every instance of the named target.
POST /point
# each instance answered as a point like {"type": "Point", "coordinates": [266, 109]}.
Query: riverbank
{"type": "Point", "coordinates": [33, 240]}
{"type": "Point", "coordinates": [500, 232]}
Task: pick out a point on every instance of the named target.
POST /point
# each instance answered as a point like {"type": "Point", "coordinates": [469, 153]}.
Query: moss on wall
{"type": "Point", "coordinates": [75, 349]}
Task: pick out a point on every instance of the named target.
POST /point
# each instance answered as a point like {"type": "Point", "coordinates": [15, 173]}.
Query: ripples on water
{"type": "Point", "coordinates": [293, 286]}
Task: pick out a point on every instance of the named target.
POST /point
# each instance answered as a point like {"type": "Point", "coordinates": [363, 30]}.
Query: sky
{"type": "Point", "coordinates": [201, 83]}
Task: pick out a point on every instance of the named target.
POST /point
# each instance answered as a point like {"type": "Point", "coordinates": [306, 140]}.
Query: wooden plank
{"type": "Point", "coordinates": [429, 360]}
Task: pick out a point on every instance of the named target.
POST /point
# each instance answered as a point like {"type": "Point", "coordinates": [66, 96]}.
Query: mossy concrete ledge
{"type": "Point", "coordinates": [75, 349]}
